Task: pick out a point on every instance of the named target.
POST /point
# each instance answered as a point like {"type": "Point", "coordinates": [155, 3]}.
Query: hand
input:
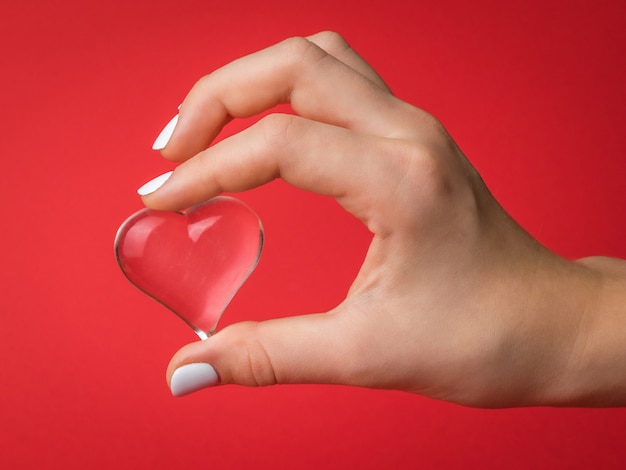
{"type": "Point", "coordinates": [454, 300]}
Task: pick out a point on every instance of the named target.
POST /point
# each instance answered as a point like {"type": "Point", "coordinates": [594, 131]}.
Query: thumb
{"type": "Point", "coordinates": [303, 349]}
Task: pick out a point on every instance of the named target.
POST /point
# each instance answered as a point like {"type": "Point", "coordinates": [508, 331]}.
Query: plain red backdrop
{"type": "Point", "coordinates": [532, 91]}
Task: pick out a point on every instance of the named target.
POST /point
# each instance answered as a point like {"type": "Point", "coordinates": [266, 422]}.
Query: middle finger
{"type": "Point", "coordinates": [296, 71]}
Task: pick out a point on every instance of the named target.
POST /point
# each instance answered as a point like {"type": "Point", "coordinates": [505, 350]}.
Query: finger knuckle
{"type": "Point", "coordinates": [277, 129]}
{"type": "Point", "coordinates": [300, 53]}
{"type": "Point", "coordinates": [255, 368]}
{"type": "Point", "coordinates": [331, 41]}
{"type": "Point", "coordinates": [422, 184]}
{"type": "Point", "coordinates": [297, 47]}
{"type": "Point", "coordinates": [260, 370]}
{"type": "Point", "coordinates": [203, 82]}
{"type": "Point", "coordinates": [250, 363]}
{"type": "Point", "coordinates": [427, 171]}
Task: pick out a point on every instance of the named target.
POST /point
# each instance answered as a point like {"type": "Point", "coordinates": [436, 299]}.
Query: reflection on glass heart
{"type": "Point", "coordinates": [192, 262]}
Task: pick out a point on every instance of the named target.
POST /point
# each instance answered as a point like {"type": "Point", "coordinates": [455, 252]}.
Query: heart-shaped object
{"type": "Point", "coordinates": [192, 262]}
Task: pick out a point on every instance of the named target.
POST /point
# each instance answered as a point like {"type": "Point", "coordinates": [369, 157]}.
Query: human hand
{"type": "Point", "coordinates": [454, 300]}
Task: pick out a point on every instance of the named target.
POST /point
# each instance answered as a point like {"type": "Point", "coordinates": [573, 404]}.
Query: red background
{"type": "Point", "coordinates": [532, 91]}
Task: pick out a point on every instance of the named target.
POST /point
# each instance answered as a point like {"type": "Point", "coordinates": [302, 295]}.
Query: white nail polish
{"type": "Point", "coordinates": [192, 377]}
{"type": "Point", "coordinates": [152, 185]}
{"type": "Point", "coordinates": [164, 137]}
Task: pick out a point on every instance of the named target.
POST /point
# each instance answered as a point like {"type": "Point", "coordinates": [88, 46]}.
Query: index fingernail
{"type": "Point", "coordinates": [154, 184]}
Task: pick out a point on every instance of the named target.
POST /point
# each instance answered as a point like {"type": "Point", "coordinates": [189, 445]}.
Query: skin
{"type": "Point", "coordinates": [454, 300]}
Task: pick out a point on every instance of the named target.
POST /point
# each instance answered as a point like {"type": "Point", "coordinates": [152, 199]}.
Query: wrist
{"type": "Point", "coordinates": [542, 356]}
{"type": "Point", "coordinates": [595, 374]}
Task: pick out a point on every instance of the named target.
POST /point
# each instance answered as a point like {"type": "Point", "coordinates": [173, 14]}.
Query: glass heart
{"type": "Point", "coordinates": [192, 262]}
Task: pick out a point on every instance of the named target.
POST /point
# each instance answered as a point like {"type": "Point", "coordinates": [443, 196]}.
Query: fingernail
{"type": "Point", "coordinates": [192, 377]}
{"type": "Point", "coordinates": [164, 137]}
{"type": "Point", "coordinates": [152, 185]}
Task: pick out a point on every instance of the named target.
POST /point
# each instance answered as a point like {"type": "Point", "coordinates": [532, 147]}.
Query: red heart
{"type": "Point", "coordinates": [192, 262]}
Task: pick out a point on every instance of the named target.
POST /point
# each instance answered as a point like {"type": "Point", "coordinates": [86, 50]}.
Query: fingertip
{"type": "Point", "coordinates": [191, 370]}
{"type": "Point", "coordinates": [161, 195]}
{"type": "Point", "coordinates": [188, 354]}
{"type": "Point", "coordinates": [177, 190]}
{"type": "Point", "coordinates": [176, 142]}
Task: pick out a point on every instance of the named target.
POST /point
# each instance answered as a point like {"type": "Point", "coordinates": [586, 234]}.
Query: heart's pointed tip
{"type": "Point", "coordinates": [203, 335]}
